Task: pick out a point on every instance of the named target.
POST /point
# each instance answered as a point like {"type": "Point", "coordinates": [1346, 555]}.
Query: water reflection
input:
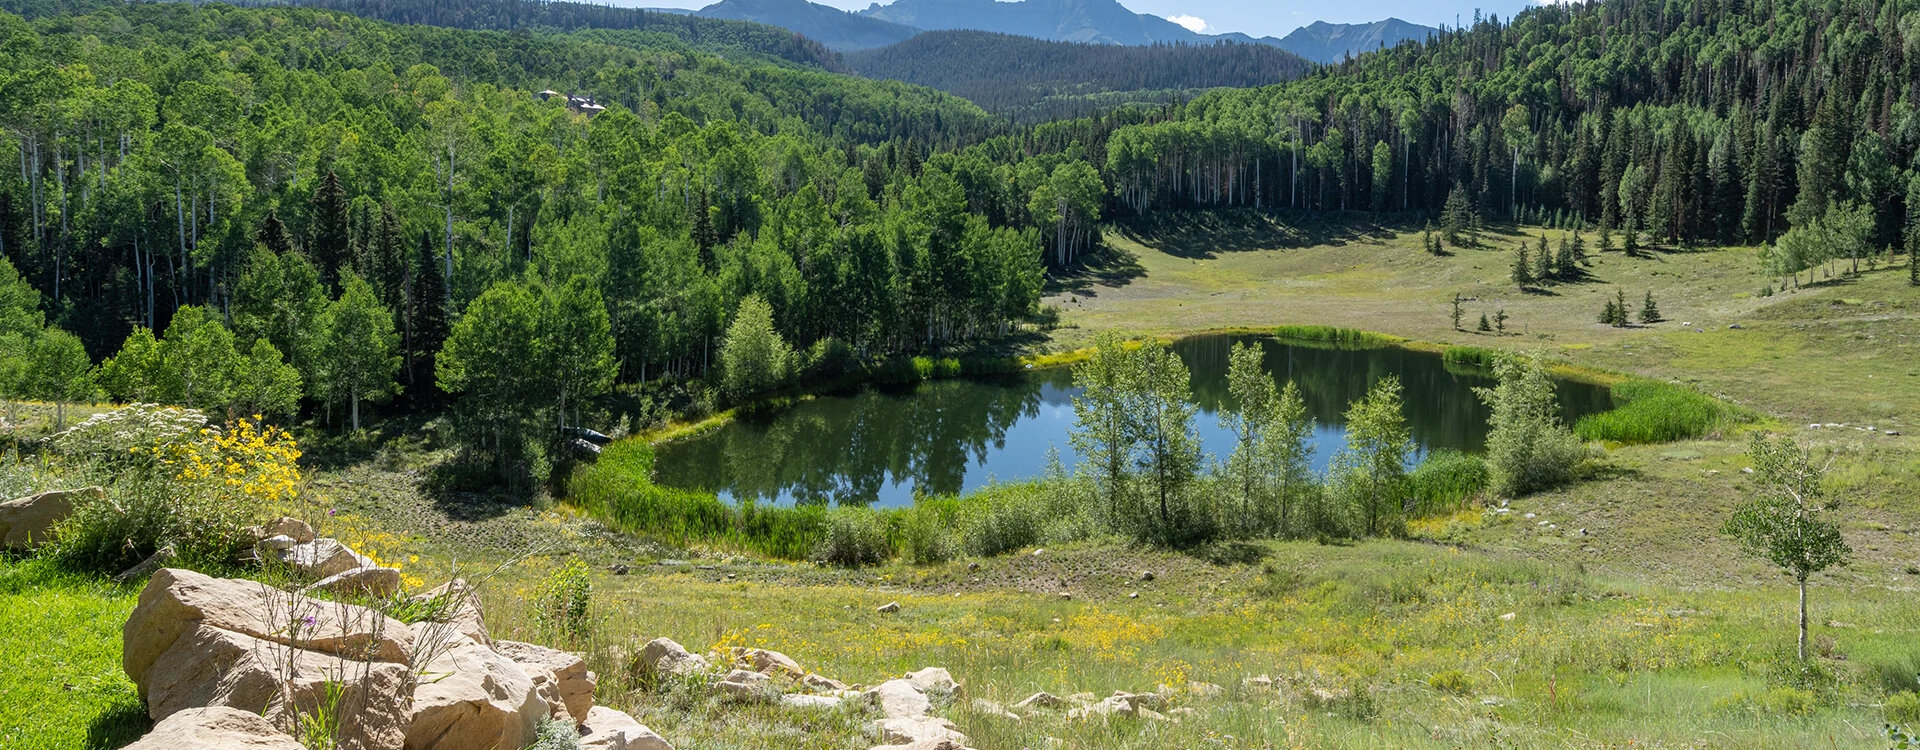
{"type": "Point", "coordinates": [878, 446]}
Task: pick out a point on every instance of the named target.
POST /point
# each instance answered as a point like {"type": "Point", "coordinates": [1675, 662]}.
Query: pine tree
{"type": "Point", "coordinates": [331, 239]}
{"type": "Point", "coordinates": [273, 234]}
{"type": "Point", "coordinates": [1456, 215]}
{"type": "Point", "coordinates": [1522, 268]}
{"type": "Point", "coordinates": [1485, 325]}
{"type": "Point", "coordinates": [1543, 270]}
{"type": "Point", "coordinates": [1620, 308]}
{"type": "Point", "coordinates": [1563, 260]}
{"type": "Point", "coordinates": [426, 316]}
{"type": "Point", "coordinates": [1649, 312]}
{"type": "Point", "coordinates": [1579, 249]}
{"type": "Point", "coordinates": [1456, 311]}
{"type": "Point", "coordinates": [1606, 240]}
{"type": "Point", "coordinates": [1608, 313]}
{"type": "Point", "coordinates": [1500, 321]}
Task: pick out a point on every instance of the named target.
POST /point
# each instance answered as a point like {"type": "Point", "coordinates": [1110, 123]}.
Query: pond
{"type": "Point", "coordinates": [878, 446]}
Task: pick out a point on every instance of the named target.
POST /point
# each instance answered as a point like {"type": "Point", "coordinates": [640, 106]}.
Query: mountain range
{"type": "Point", "coordinates": [1087, 21]}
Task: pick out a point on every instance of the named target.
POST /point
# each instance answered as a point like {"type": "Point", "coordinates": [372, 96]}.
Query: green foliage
{"type": "Point", "coordinates": [1785, 522]}
{"type": "Point", "coordinates": [1651, 411]}
{"type": "Point", "coordinates": [1446, 481]}
{"type": "Point", "coordinates": [854, 537]}
{"type": "Point", "coordinates": [361, 348]}
{"type": "Point", "coordinates": [19, 303]}
{"type": "Point", "coordinates": [1903, 708]}
{"type": "Point", "coordinates": [1473, 357]}
{"type": "Point", "coordinates": [1330, 335]}
{"type": "Point", "coordinates": [1369, 474]}
{"type": "Point", "coordinates": [753, 358]}
{"type": "Point", "coordinates": [57, 369]}
{"type": "Point", "coordinates": [198, 364]}
{"type": "Point", "coordinates": [564, 607]}
{"type": "Point", "coordinates": [1451, 681]}
{"type": "Point", "coordinates": [927, 537]}
{"type": "Point", "coordinates": [1528, 448]}
{"type": "Point", "coordinates": [555, 734]}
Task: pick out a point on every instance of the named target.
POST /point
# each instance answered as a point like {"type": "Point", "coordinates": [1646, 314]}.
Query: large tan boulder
{"type": "Point", "coordinates": [923, 729]}
{"type": "Point", "coordinates": [208, 666]}
{"type": "Point", "coordinates": [900, 699]}
{"type": "Point", "coordinates": [767, 662]}
{"type": "Point", "coordinates": [176, 599]}
{"type": "Point", "coordinates": [607, 729]}
{"type": "Point", "coordinates": [934, 680]}
{"type": "Point", "coordinates": [320, 558]}
{"type": "Point", "coordinates": [377, 583]}
{"type": "Point", "coordinates": [458, 605]}
{"type": "Point", "coordinates": [215, 728]}
{"type": "Point", "coordinates": [662, 657]}
{"type": "Point", "coordinates": [28, 522]}
{"type": "Point", "coordinates": [572, 684]}
{"type": "Point", "coordinates": [471, 698]}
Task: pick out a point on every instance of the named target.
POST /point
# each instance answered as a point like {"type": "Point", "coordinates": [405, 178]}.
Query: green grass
{"type": "Point", "coordinates": [1332, 335]}
{"type": "Point", "coordinates": [619, 488]}
{"type": "Point", "coordinates": [61, 686]}
{"type": "Point", "coordinates": [1650, 411]}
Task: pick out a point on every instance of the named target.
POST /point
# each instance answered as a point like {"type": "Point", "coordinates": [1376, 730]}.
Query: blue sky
{"type": "Point", "coordinates": [1254, 17]}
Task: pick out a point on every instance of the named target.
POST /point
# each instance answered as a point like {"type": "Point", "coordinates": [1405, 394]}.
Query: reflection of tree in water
{"type": "Point", "coordinates": [1441, 409]}
{"type": "Point", "coordinates": [848, 449]}
{"type": "Point", "coordinates": [855, 449]}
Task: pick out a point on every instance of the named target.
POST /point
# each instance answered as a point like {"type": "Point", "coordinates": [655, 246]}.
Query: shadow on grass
{"type": "Point", "coordinates": [1105, 266]}
{"type": "Point", "coordinates": [118, 727]}
{"type": "Point", "coordinates": [1204, 234]}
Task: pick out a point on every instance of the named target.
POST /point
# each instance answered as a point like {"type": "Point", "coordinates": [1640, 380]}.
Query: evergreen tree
{"type": "Point", "coordinates": [385, 262]}
{"type": "Point", "coordinates": [1500, 321]}
{"type": "Point", "coordinates": [1486, 326]}
{"type": "Point", "coordinates": [1606, 240]}
{"type": "Point", "coordinates": [1579, 250]}
{"type": "Point", "coordinates": [1620, 308]}
{"type": "Point", "coordinates": [1609, 314]}
{"type": "Point", "coordinates": [1457, 216]}
{"type": "Point", "coordinates": [273, 234]}
{"type": "Point", "coordinates": [1543, 270]}
{"type": "Point", "coordinates": [1649, 312]}
{"type": "Point", "coordinates": [1522, 267]}
{"type": "Point", "coordinates": [425, 322]}
{"type": "Point", "coordinates": [330, 244]}
{"type": "Point", "coordinates": [1456, 311]}
{"type": "Point", "coordinates": [1564, 266]}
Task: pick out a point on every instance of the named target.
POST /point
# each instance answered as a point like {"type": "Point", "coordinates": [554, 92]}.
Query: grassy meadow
{"type": "Point", "coordinates": [1606, 614]}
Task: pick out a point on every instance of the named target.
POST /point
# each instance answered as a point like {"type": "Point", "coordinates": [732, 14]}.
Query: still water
{"type": "Point", "coordinates": [879, 446]}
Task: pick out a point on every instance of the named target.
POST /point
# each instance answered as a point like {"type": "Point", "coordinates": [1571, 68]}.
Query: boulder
{"type": "Point", "coordinates": [771, 663]}
{"type": "Point", "coordinates": [822, 683]}
{"type": "Point", "coordinates": [888, 608]}
{"type": "Point", "coordinates": [175, 600]}
{"type": "Point", "coordinates": [147, 567]}
{"type": "Point", "coordinates": [215, 728]}
{"type": "Point", "coordinates": [573, 684]}
{"type": "Point", "coordinates": [298, 530]}
{"type": "Point", "coordinates": [377, 583]}
{"type": "Point", "coordinates": [321, 558]}
{"type": "Point", "coordinates": [744, 685]}
{"type": "Point", "coordinates": [986, 707]}
{"type": "Point", "coordinates": [934, 680]}
{"type": "Point", "coordinates": [471, 697]}
{"type": "Point", "coordinates": [457, 604]}
{"type": "Point", "coordinates": [1122, 704]}
{"type": "Point", "coordinates": [28, 522]}
{"type": "Point", "coordinates": [921, 729]}
{"type": "Point", "coordinates": [661, 657]}
{"type": "Point", "coordinates": [607, 729]}
{"type": "Point", "coordinates": [208, 666]}
{"type": "Point", "coordinates": [1042, 699]}
{"type": "Point", "coordinates": [900, 699]}
{"type": "Point", "coordinates": [821, 702]}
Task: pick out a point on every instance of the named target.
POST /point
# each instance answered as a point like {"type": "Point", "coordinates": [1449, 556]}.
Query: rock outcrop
{"type": "Point", "coordinates": [378, 583]}
{"type": "Point", "coordinates": [28, 522]}
{"type": "Point", "coordinates": [458, 605]}
{"type": "Point", "coordinates": [662, 657]}
{"type": "Point", "coordinates": [607, 729]}
{"type": "Point", "coordinates": [572, 685]}
{"type": "Point", "coordinates": [320, 558]}
{"type": "Point", "coordinates": [472, 697]}
{"type": "Point", "coordinates": [215, 728]}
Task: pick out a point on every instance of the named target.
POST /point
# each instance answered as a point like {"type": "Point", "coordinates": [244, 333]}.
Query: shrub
{"type": "Point", "coordinates": [1903, 708]}
{"type": "Point", "coordinates": [1650, 411]}
{"type": "Point", "coordinates": [556, 735]}
{"type": "Point", "coordinates": [830, 358]}
{"type": "Point", "coordinates": [196, 495]}
{"type": "Point", "coordinates": [1310, 334]}
{"type": "Point", "coordinates": [1528, 448]}
{"type": "Point", "coordinates": [1471, 357]}
{"type": "Point", "coordinates": [1001, 520]}
{"type": "Point", "coordinates": [564, 608]}
{"type": "Point", "coordinates": [854, 538]}
{"type": "Point", "coordinates": [1451, 681]}
{"type": "Point", "coordinates": [1446, 480]}
{"type": "Point", "coordinates": [927, 538]}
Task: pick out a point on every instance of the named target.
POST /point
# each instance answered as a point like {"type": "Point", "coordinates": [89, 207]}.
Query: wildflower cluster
{"type": "Point", "coordinates": [255, 462]}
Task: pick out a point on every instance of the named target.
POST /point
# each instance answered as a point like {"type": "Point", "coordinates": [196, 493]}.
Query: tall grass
{"type": "Point", "coordinates": [619, 488]}
{"type": "Point", "coordinates": [1331, 335]}
{"type": "Point", "coordinates": [1474, 357]}
{"type": "Point", "coordinates": [1650, 411]}
{"type": "Point", "coordinates": [1446, 480]}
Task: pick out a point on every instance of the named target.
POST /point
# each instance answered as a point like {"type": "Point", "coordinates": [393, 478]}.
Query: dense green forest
{"type": "Point", "coordinates": [276, 171]}
{"type": "Point", "coordinates": [1691, 121]}
{"type": "Point", "coordinates": [1037, 80]}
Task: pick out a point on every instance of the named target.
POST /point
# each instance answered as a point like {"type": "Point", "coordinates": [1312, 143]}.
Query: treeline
{"type": "Point", "coordinates": [1035, 80]}
{"type": "Point", "coordinates": [1718, 121]}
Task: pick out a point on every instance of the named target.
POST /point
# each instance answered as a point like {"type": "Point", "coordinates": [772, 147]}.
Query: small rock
{"type": "Point", "coordinates": [1734, 327]}
{"type": "Point", "coordinates": [1146, 575]}
{"type": "Point", "coordinates": [215, 727]}
{"type": "Point", "coordinates": [619, 569]}
{"type": "Point", "coordinates": [300, 531]}
{"type": "Point", "coordinates": [1042, 699]}
{"type": "Point", "coordinates": [888, 608]}
{"type": "Point", "coordinates": [1133, 595]}
{"type": "Point", "coordinates": [1039, 552]}
{"type": "Point", "coordinates": [823, 702]}
{"type": "Point", "coordinates": [1205, 689]}
{"type": "Point", "coordinates": [1508, 617]}
{"type": "Point", "coordinates": [986, 707]}
{"type": "Point", "coordinates": [900, 699]}
{"type": "Point", "coordinates": [662, 656]}
{"type": "Point", "coordinates": [973, 566]}
{"type": "Point", "coordinates": [935, 680]}
{"type": "Point", "coordinates": [147, 567]}
{"type": "Point", "coordinates": [1258, 682]}
{"type": "Point", "coordinates": [1066, 595]}
{"type": "Point", "coordinates": [822, 683]}
{"type": "Point", "coordinates": [743, 685]}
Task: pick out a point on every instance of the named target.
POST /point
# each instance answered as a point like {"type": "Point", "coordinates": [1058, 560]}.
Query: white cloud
{"type": "Point", "coordinates": [1194, 24]}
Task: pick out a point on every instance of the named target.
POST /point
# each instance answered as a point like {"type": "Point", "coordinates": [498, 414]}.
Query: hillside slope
{"type": "Point", "coordinates": [837, 29]}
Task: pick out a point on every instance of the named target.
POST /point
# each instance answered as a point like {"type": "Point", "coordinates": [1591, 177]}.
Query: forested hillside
{"type": "Point", "coordinates": [835, 28]}
{"type": "Point", "coordinates": [1692, 121]}
{"type": "Point", "coordinates": [1036, 80]}
{"type": "Point", "coordinates": [275, 171]}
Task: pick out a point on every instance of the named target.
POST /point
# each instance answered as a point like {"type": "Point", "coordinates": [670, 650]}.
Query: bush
{"type": "Point", "coordinates": [1650, 411]}
{"type": "Point", "coordinates": [195, 494]}
{"type": "Point", "coordinates": [1002, 520]}
{"type": "Point", "coordinates": [1446, 480]}
{"type": "Point", "coordinates": [556, 735]}
{"type": "Point", "coordinates": [565, 606]}
{"type": "Point", "coordinates": [1528, 448]}
{"type": "Point", "coordinates": [927, 536]}
{"type": "Point", "coordinates": [1903, 708]}
{"type": "Point", "coordinates": [830, 358]}
{"type": "Point", "coordinates": [1451, 681]}
{"type": "Point", "coordinates": [854, 538]}
{"type": "Point", "coordinates": [1470, 357]}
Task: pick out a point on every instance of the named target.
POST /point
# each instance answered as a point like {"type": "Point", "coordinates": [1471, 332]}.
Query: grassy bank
{"type": "Point", "coordinates": [62, 687]}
